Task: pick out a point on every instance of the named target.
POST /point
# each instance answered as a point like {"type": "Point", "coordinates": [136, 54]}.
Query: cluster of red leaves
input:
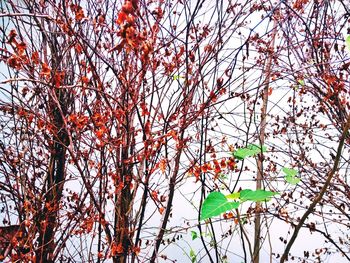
{"type": "Point", "coordinates": [58, 78]}
{"type": "Point", "coordinates": [174, 61]}
{"type": "Point", "coordinates": [100, 121]}
{"type": "Point", "coordinates": [45, 70]}
{"type": "Point", "coordinates": [65, 27]}
{"type": "Point", "coordinates": [18, 58]}
{"type": "Point", "coordinates": [215, 167]}
{"type": "Point", "coordinates": [78, 12]}
{"type": "Point", "coordinates": [78, 48]}
{"type": "Point", "coordinates": [117, 248]}
{"type": "Point", "coordinates": [131, 38]}
{"type": "Point", "coordinates": [229, 215]}
{"type": "Point", "coordinates": [299, 4]}
{"type": "Point", "coordinates": [42, 124]}
{"type": "Point", "coordinates": [78, 121]}
{"type": "Point", "coordinates": [333, 82]}
{"type": "Point", "coordinates": [158, 199]}
{"type": "Point", "coordinates": [144, 109]}
{"type": "Point", "coordinates": [15, 236]}
{"type": "Point", "coordinates": [86, 225]}
{"type": "Point", "coordinates": [151, 146]}
{"type": "Point", "coordinates": [127, 12]}
{"type": "Point", "coordinates": [128, 30]}
{"type": "Point", "coordinates": [23, 113]}
{"type": "Point", "coordinates": [20, 47]}
{"type": "Point", "coordinates": [35, 58]}
{"type": "Point", "coordinates": [335, 89]}
{"type": "Point", "coordinates": [15, 62]}
{"type": "Point", "coordinates": [120, 182]}
{"type": "Point", "coordinates": [161, 165]}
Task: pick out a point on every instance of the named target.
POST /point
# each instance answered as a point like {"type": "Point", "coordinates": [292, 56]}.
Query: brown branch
{"type": "Point", "coordinates": [24, 14]}
{"type": "Point", "coordinates": [322, 192]}
{"type": "Point", "coordinates": [260, 159]}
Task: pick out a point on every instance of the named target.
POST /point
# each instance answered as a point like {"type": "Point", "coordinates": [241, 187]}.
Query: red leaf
{"type": "Point", "coordinates": [35, 57]}
{"type": "Point", "coordinates": [85, 80]}
{"type": "Point", "coordinates": [116, 249]}
{"type": "Point", "coordinates": [21, 47]}
{"type": "Point", "coordinates": [59, 76]}
{"type": "Point", "coordinates": [79, 14]}
{"type": "Point", "coordinates": [121, 18]}
{"type": "Point", "coordinates": [231, 164]}
{"type": "Point", "coordinates": [223, 163]}
{"type": "Point", "coordinates": [206, 167]}
{"type": "Point", "coordinates": [12, 37]}
{"type": "Point", "coordinates": [161, 210]}
{"type": "Point", "coordinates": [45, 70]}
{"type": "Point", "coordinates": [163, 165]}
{"type": "Point", "coordinates": [127, 7]}
{"type": "Point", "coordinates": [14, 62]}
{"type": "Point", "coordinates": [78, 48]}
{"type": "Point", "coordinates": [144, 109]}
{"type": "Point", "coordinates": [208, 48]}
{"type": "Point", "coordinates": [136, 250]}
{"type": "Point", "coordinates": [100, 132]}
{"type": "Point", "coordinates": [270, 91]}
{"type": "Point", "coordinates": [154, 195]}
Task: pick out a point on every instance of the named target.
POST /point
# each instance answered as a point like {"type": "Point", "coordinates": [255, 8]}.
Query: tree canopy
{"type": "Point", "coordinates": [166, 131]}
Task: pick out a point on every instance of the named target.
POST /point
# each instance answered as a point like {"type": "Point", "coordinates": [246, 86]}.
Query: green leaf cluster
{"type": "Point", "coordinates": [291, 175]}
{"type": "Point", "coordinates": [193, 256]}
{"type": "Point", "coordinates": [249, 151]}
{"type": "Point", "coordinates": [217, 203]}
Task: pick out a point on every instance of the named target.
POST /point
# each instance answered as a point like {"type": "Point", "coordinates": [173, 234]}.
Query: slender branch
{"type": "Point", "coordinates": [25, 14]}
{"type": "Point", "coordinates": [330, 176]}
{"type": "Point", "coordinates": [260, 159]}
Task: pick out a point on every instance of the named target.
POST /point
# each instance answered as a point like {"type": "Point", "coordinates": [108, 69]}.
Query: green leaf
{"type": "Point", "coordinates": [289, 171]}
{"type": "Point", "coordinates": [194, 235]}
{"type": "Point", "coordinates": [176, 77]}
{"type": "Point", "coordinates": [301, 82]}
{"type": "Point", "coordinates": [215, 204]}
{"type": "Point", "coordinates": [257, 196]}
{"type": "Point", "coordinates": [233, 196]}
{"type": "Point", "coordinates": [347, 41]}
{"type": "Point", "coordinates": [193, 256]}
{"type": "Point", "coordinates": [292, 180]}
{"type": "Point", "coordinates": [290, 175]}
{"type": "Point", "coordinates": [250, 150]}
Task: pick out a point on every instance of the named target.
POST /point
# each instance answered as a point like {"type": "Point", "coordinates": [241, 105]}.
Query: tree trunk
{"type": "Point", "coordinates": [55, 180]}
{"type": "Point", "coordinates": [260, 159]}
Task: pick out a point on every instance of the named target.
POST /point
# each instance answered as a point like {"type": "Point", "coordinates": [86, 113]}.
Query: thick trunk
{"type": "Point", "coordinates": [123, 200]}
{"type": "Point", "coordinates": [49, 215]}
{"type": "Point", "coordinates": [48, 219]}
{"type": "Point", "coordinates": [122, 225]}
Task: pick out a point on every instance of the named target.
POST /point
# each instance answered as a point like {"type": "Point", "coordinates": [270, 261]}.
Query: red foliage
{"type": "Point", "coordinates": [45, 70]}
